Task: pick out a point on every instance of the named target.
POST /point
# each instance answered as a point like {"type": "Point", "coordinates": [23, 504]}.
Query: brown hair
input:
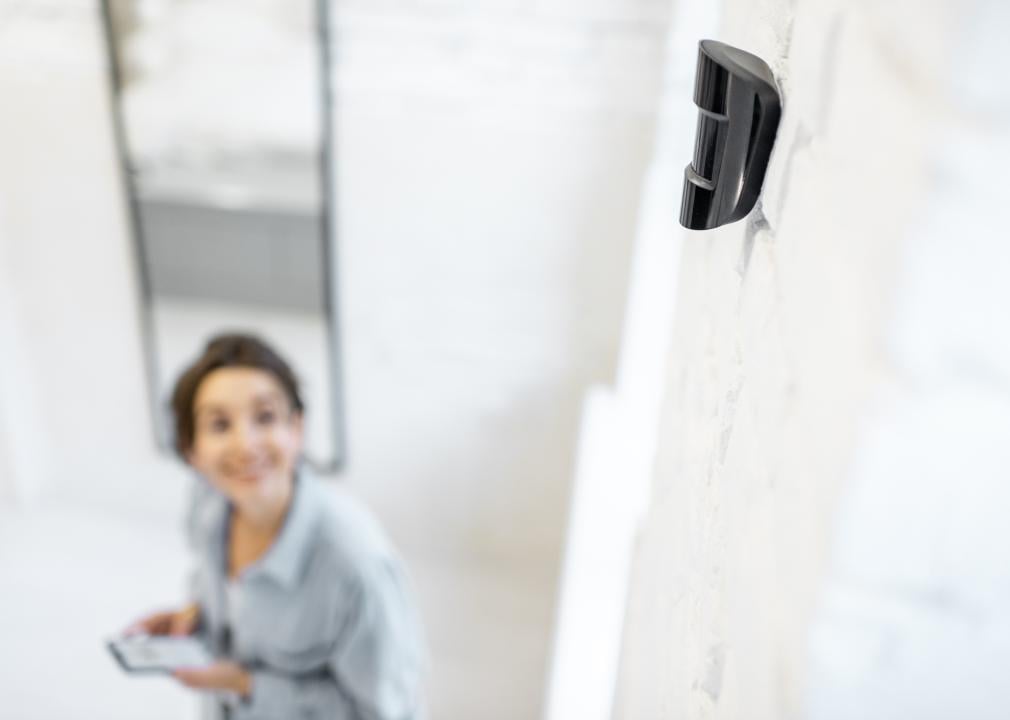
{"type": "Point", "coordinates": [227, 350]}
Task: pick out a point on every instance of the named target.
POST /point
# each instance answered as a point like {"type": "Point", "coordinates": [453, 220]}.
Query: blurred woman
{"type": "Point", "coordinates": [297, 589]}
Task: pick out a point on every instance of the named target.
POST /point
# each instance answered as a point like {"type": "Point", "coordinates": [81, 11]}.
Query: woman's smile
{"type": "Point", "coordinates": [249, 475]}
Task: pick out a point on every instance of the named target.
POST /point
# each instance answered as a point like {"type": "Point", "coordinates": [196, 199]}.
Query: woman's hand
{"type": "Point", "coordinates": [221, 675]}
{"type": "Point", "coordinates": [178, 622]}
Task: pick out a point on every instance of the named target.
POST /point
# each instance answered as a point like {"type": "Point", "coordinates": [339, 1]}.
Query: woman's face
{"type": "Point", "coordinates": [246, 438]}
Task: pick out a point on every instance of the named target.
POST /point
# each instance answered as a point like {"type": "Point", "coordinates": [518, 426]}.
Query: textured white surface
{"type": "Point", "coordinates": [843, 342]}
{"type": "Point", "coordinates": [913, 620]}
{"type": "Point", "coordinates": [617, 440]}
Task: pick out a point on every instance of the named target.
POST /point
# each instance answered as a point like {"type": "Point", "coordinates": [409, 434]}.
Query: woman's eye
{"type": "Point", "coordinates": [219, 425]}
{"type": "Point", "coordinates": [266, 417]}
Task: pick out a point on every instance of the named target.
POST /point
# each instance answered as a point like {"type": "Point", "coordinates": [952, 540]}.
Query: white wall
{"type": "Point", "coordinates": [69, 267]}
{"type": "Point", "coordinates": [91, 538]}
{"type": "Point", "coordinates": [21, 456]}
{"type": "Point", "coordinates": [913, 620]}
{"type": "Point", "coordinates": [822, 538]}
{"type": "Point", "coordinates": [490, 165]}
{"type": "Point", "coordinates": [491, 159]}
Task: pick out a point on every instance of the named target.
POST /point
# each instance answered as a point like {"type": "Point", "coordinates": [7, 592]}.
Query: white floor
{"type": "Point", "coordinates": [71, 577]}
{"type": "Point", "coordinates": [68, 580]}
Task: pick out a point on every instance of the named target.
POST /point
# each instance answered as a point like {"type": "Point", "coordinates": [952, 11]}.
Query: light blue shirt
{"type": "Point", "coordinates": [325, 620]}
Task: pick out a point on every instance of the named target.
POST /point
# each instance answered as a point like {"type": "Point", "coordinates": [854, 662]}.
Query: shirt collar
{"type": "Point", "coordinates": [284, 561]}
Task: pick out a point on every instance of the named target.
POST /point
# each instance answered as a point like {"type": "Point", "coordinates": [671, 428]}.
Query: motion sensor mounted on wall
{"type": "Point", "coordinates": [738, 115]}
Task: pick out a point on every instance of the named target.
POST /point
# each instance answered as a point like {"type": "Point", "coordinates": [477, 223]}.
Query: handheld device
{"type": "Point", "coordinates": [158, 653]}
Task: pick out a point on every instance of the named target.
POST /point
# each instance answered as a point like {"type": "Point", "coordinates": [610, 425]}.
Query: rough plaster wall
{"type": "Point", "coordinates": [776, 349]}
{"type": "Point", "coordinates": [912, 621]}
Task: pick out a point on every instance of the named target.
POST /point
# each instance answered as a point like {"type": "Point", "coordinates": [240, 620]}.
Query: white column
{"type": "Point", "coordinates": [617, 439]}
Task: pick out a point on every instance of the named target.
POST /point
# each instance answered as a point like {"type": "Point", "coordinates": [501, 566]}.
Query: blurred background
{"type": "Point", "coordinates": [635, 472]}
